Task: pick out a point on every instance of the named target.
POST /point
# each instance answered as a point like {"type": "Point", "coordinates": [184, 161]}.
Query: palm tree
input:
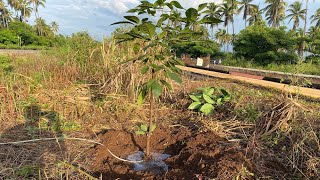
{"type": "Point", "coordinates": [296, 13]}
{"type": "Point", "coordinates": [5, 15]}
{"type": "Point", "coordinates": [54, 27]}
{"type": "Point", "coordinates": [246, 7]}
{"type": "Point", "coordinates": [40, 24]}
{"type": "Point", "coordinates": [36, 4]}
{"type": "Point", "coordinates": [255, 15]}
{"type": "Point", "coordinates": [212, 12]}
{"type": "Point", "coordinates": [25, 9]}
{"type": "Point", "coordinates": [313, 31]}
{"type": "Point", "coordinates": [226, 13]}
{"type": "Point", "coordinates": [223, 38]}
{"type": "Point", "coordinates": [275, 12]}
{"type": "Point", "coordinates": [306, 16]}
{"type": "Point", "coordinates": [316, 18]}
{"type": "Point", "coordinates": [15, 5]}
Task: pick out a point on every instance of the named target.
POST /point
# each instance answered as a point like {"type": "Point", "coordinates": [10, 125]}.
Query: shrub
{"type": "Point", "coordinates": [265, 45]}
{"type": "Point", "coordinates": [197, 49]}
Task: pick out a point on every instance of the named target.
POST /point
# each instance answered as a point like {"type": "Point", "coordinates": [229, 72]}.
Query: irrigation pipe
{"type": "Point", "coordinates": [66, 138]}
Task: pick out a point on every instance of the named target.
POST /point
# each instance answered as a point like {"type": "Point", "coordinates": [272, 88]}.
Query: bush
{"type": "Point", "coordinates": [265, 45]}
{"type": "Point", "coordinates": [5, 64]}
{"type": "Point", "coordinates": [8, 37]}
{"type": "Point", "coordinates": [197, 49]}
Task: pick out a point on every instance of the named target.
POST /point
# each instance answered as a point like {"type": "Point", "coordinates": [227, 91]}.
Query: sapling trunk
{"type": "Point", "coordinates": [148, 147]}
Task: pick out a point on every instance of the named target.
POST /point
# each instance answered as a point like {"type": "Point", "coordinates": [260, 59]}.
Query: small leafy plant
{"type": "Point", "coordinates": [154, 26]}
{"type": "Point", "coordinates": [143, 129]}
{"type": "Point", "coordinates": [206, 99]}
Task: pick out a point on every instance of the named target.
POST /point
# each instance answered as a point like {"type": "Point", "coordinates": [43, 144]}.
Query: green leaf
{"type": "Point", "coordinates": [224, 92]}
{"type": "Point", "coordinates": [210, 92]}
{"type": "Point", "coordinates": [133, 19]}
{"type": "Point", "coordinates": [192, 14]}
{"type": "Point", "coordinates": [194, 105]}
{"type": "Point", "coordinates": [156, 67]}
{"type": "Point", "coordinates": [140, 132]}
{"type": "Point", "coordinates": [176, 4]}
{"type": "Point", "coordinates": [144, 128]}
{"type": "Point", "coordinates": [148, 28]}
{"type": "Point", "coordinates": [153, 127]}
{"type": "Point", "coordinates": [121, 22]}
{"type": "Point", "coordinates": [156, 89]}
{"type": "Point", "coordinates": [208, 99]}
{"type": "Point", "coordinates": [166, 84]}
{"type": "Point", "coordinates": [136, 47]}
{"type": "Point", "coordinates": [210, 20]}
{"type": "Point", "coordinates": [144, 69]}
{"type": "Point", "coordinates": [207, 108]}
{"type": "Point", "coordinates": [174, 76]}
{"type": "Point", "coordinates": [195, 98]}
{"type": "Point", "coordinates": [150, 83]}
{"type": "Point", "coordinates": [219, 101]}
{"type": "Point", "coordinates": [142, 96]}
{"type": "Point", "coordinates": [202, 6]}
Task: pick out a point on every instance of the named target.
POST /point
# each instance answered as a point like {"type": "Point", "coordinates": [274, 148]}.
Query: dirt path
{"type": "Point", "coordinates": [282, 87]}
{"type": "Point", "coordinates": [17, 51]}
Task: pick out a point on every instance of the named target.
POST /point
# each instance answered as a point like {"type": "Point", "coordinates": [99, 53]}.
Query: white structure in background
{"type": "Point", "coordinates": [199, 62]}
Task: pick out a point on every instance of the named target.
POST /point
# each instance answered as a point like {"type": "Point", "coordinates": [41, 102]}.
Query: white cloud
{"type": "Point", "coordinates": [116, 6]}
{"type": "Point", "coordinates": [195, 3]}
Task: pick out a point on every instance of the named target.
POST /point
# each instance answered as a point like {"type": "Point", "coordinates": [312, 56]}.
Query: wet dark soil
{"type": "Point", "coordinates": [194, 155]}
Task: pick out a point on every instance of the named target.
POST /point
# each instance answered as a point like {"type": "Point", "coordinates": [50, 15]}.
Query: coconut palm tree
{"type": "Point", "coordinates": [226, 13]}
{"type": "Point", "coordinates": [296, 13]}
{"type": "Point", "coordinates": [306, 16]}
{"type": "Point", "coordinates": [313, 31]}
{"type": "Point", "coordinates": [255, 15]}
{"type": "Point", "coordinates": [275, 12]}
{"type": "Point", "coordinates": [223, 38]}
{"type": "Point", "coordinates": [36, 5]}
{"type": "Point", "coordinates": [15, 5]}
{"type": "Point", "coordinates": [316, 18]}
{"type": "Point", "coordinates": [25, 9]}
{"type": "Point", "coordinates": [40, 24]}
{"type": "Point", "coordinates": [212, 12]}
{"type": "Point", "coordinates": [246, 6]}
{"type": "Point", "coordinates": [54, 27]}
{"type": "Point", "coordinates": [5, 15]}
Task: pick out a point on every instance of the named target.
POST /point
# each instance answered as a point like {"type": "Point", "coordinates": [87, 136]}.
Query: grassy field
{"type": "Point", "coordinates": [91, 94]}
{"type": "Point", "coordinates": [300, 68]}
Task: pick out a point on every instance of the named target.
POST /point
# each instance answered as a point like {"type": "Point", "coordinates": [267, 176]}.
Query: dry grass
{"type": "Point", "coordinates": [44, 91]}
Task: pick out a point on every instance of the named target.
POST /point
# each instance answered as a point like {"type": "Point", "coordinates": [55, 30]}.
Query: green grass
{"type": "Point", "coordinates": [300, 68]}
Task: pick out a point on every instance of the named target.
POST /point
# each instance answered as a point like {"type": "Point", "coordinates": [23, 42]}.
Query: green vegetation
{"type": "Point", "coordinates": [157, 61]}
{"type": "Point", "coordinates": [206, 100]}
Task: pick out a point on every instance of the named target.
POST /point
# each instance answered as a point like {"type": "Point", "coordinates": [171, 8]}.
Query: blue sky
{"type": "Point", "coordinates": [95, 16]}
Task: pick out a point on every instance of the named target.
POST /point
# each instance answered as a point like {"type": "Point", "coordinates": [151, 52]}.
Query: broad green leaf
{"type": "Point", "coordinates": [202, 6]}
{"type": "Point", "coordinates": [121, 22]}
{"type": "Point", "coordinates": [133, 19]}
{"type": "Point", "coordinates": [156, 89]}
{"type": "Point", "coordinates": [136, 47]}
{"type": "Point", "coordinates": [219, 101]}
{"type": "Point", "coordinates": [144, 69]}
{"type": "Point", "coordinates": [153, 127]}
{"type": "Point", "coordinates": [166, 84]}
{"type": "Point", "coordinates": [150, 83]}
{"type": "Point", "coordinates": [192, 14]}
{"type": "Point", "coordinates": [195, 98]}
{"type": "Point", "coordinates": [210, 92]}
{"type": "Point", "coordinates": [176, 4]}
{"type": "Point", "coordinates": [144, 127]}
{"type": "Point", "coordinates": [208, 99]}
{"type": "Point", "coordinates": [141, 97]}
{"type": "Point", "coordinates": [207, 108]}
{"type": "Point", "coordinates": [140, 133]}
{"type": "Point", "coordinates": [194, 105]}
{"type": "Point", "coordinates": [174, 76]}
{"type": "Point", "coordinates": [133, 10]}
{"type": "Point", "coordinates": [148, 28]}
{"type": "Point", "coordinates": [156, 67]}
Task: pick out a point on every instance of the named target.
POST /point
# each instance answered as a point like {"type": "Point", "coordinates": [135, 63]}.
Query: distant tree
{"type": "Point", "coordinates": [212, 12]}
{"type": "Point", "coordinates": [306, 17]}
{"type": "Point", "coordinates": [247, 7]}
{"type": "Point", "coordinates": [227, 14]}
{"type": "Point", "coordinates": [255, 15]}
{"type": "Point", "coordinates": [296, 13]}
{"type": "Point", "coordinates": [54, 27]}
{"type": "Point", "coordinates": [223, 38]}
{"type": "Point", "coordinates": [316, 18]}
{"type": "Point", "coordinates": [275, 12]}
{"type": "Point", "coordinates": [314, 31]}
{"type": "Point", "coordinates": [40, 26]}
{"type": "Point", "coordinates": [25, 9]}
{"type": "Point", "coordinates": [36, 5]}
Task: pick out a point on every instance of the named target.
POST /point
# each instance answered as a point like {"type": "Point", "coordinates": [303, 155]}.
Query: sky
{"type": "Point", "coordinates": [95, 16]}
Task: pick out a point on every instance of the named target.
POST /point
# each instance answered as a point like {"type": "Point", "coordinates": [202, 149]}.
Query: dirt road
{"type": "Point", "coordinates": [282, 87]}
{"type": "Point", "coordinates": [16, 51]}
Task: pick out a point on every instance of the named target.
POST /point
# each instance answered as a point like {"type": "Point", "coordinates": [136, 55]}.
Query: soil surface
{"type": "Point", "coordinates": [199, 155]}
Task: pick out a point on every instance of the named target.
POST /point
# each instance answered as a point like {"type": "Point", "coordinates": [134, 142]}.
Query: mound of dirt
{"type": "Point", "coordinates": [193, 156]}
